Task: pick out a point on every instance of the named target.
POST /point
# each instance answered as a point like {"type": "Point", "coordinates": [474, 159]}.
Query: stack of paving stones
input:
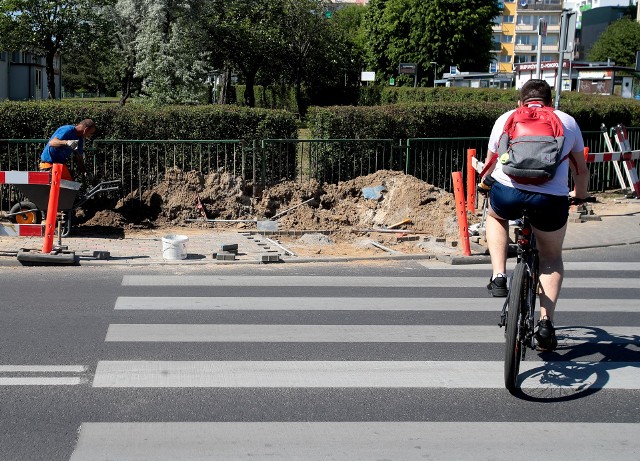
{"type": "Point", "coordinates": [582, 213]}
{"type": "Point", "coordinates": [267, 255]}
{"type": "Point", "coordinates": [227, 252]}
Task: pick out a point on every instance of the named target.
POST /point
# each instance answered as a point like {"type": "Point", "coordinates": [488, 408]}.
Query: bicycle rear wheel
{"type": "Point", "coordinates": [515, 314]}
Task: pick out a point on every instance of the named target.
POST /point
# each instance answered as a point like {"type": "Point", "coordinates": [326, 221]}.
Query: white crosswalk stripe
{"type": "Point", "coordinates": [316, 281]}
{"type": "Point", "coordinates": [355, 440]}
{"type": "Point", "coordinates": [486, 304]}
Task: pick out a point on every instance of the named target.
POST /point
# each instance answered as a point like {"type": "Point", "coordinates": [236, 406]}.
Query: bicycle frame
{"type": "Point", "coordinates": [527, 254]}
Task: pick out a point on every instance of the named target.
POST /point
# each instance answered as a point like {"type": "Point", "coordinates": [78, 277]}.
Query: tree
{"type": "Point", "coordinates": [450, 32]}
{"type": "Point", "coordinates": [619, 42]}
{"type": "Point", "coordinates": [46, 28]}
{"type": "Point", "coordinates": [306, 41]}
{"type": "Point", "coordinates": [247, 34]}
{"type": "Point", "coordinates": [125, 19]}
{"type": "Point", "coordinates": [170, 59]}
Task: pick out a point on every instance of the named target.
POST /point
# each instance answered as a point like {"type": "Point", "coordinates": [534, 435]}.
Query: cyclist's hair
{"type": "Point", "coordinates": [536, 90]}
{"type": "Point", "coordinates": [88, 123]}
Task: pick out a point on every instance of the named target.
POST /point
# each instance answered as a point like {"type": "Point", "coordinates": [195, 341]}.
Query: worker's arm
{"type": "Point", "coordinates": [55, 142]}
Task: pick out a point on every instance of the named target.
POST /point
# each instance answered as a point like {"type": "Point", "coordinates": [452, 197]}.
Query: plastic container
{"type": "Point", "coordinates": [174, 246]}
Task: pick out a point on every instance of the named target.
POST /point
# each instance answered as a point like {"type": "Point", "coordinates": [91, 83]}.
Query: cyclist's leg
{"type": "Point", "coordinates": [497, 230]}
{"type": "Point", "coordinates": [549, 246]}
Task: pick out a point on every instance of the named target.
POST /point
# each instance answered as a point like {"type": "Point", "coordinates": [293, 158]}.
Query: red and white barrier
{"type": "Point", "coordinates": [21, 230]}
{"type": "Point", "coordinates": [612, 156]}
{"type": "Point", "coordinates": [24, 177]}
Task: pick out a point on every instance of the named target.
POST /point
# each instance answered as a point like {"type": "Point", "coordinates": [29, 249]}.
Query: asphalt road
{"type": "Point", "coordinates": [355, 361]}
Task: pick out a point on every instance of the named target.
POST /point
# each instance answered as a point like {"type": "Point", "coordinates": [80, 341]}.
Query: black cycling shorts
{"type": "Point", "coordinates": [546, 212]}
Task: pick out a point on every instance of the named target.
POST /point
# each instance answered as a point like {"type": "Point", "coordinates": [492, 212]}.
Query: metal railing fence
{"type": "Point", "coordinates": [331, 160]}
{"type": "Point", "coordinates": [140, 164]}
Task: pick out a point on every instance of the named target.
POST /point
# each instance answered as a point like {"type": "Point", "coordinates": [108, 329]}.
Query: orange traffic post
{"type": "Point", "coordinates": [458, 191]}
{"type": "Point", "coordinates": [52, 208]}
{"type": "Point", "coordinates": [471, 181]}
{"type": "Point", "coordinates": [586, 156]}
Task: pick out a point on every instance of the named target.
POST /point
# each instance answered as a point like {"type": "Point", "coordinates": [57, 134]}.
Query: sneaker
{"type": "Point", "coordinates": [498, 286]}
{"type": "Point", "coordinates": [546, 335]}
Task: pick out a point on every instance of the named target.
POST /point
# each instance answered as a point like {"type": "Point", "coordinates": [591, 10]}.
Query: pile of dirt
{"type": "Point", "coordinates": [342, 207]}
{"type": "Point", "coordinates": [338, 208]}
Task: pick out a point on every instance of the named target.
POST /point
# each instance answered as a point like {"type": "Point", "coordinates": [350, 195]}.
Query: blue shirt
{"type": "Point", "coordinates": [61, 154]}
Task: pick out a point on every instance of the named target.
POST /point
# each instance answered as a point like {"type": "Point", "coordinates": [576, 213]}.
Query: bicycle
{"type": "Point", "coordinates": [518, 311]}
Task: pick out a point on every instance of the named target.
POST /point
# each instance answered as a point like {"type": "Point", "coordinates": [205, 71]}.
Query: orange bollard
{"type": "Point", "coordinates": [471, 181]}
{"type": "Point", "coordinates": [458, 191]}
{"type": "Point", "coordinates": [585, 152]}
{"type": "Point", "coordinates": [52, 208]}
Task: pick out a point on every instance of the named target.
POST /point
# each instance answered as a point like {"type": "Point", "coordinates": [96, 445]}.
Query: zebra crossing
{"type": "Point", "coordinates": [298, 435]}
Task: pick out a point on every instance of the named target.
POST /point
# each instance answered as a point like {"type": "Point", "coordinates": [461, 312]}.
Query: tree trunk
{"type": "Point", "coordinates": [249, 97]}
{"type": "Point", "coordinates": [225, 85]}
{"type": "Point", "coordinates": [302, 109]}
{"type": "Point", "coordinates": [51, 78]}
{"type": "Point", "coordinates": [126, 87]}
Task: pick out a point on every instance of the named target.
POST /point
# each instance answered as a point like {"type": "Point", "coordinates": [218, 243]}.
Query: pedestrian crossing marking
{"type": "Point", "coordinates": [363, 374]}
{"type": "Point", "coordinates": [355, 441]}
{"type": "Point", "coordinates": [31, 375]}
{"type": "Point", "coordinates": [328, 281]}
{"type": "Point", "coordinates": [356, 304]}
{"type": "Point", "coordinates": [140, 332]}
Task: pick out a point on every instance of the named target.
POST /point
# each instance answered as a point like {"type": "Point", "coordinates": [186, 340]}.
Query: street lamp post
{"type": "Point", "coordinates": [435, 69]}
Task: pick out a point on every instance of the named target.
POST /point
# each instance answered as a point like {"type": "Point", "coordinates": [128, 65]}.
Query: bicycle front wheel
{"type": "Point", "coordinates": [515, 314]}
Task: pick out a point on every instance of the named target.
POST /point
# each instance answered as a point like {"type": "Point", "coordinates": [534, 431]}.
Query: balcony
{"type": "Point", "coordinates": [534, 48]}
{"type": "Point", "coordinates": [529, 29]}
{"type": "Point", "coordinates": [538, 5]}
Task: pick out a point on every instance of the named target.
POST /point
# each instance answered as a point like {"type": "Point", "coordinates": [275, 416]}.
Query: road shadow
{"type": "Point", "coordinates": [569, 372]}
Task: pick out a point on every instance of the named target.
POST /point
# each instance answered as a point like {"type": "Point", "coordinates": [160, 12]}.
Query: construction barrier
{"type": "Point", "coordinates": [463, 225]}
{"type": "Point", "coordinates": [24, 177]}
{"type": "Point", "coordinates": [21, 230]}
{"type": "Point", "coordinates": [52, 208]}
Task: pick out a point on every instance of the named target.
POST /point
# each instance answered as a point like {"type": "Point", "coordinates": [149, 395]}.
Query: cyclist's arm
{"type": "Point", "coordinates": [580, 174]}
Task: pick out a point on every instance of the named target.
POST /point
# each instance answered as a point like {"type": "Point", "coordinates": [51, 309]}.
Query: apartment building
{"type": "Point", "coordinates": [515, 32]}
{"type": "Point", "coordinates": [23, 76]}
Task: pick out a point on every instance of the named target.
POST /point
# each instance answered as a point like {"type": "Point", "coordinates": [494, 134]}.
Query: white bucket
{"type": "Point", "coordinates": [174, 246]}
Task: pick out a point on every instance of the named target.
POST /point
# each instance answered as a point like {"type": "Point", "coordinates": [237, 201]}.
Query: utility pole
{"type": "Point", "coordinates": [542, 32]}
{"type": "Point", "coordinates": [564, 29]}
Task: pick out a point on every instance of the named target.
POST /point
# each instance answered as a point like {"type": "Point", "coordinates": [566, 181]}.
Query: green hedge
{"type": "Point", "coordinates": [34, 120]}
{"type": "Point", "coordinates": [454, 119]}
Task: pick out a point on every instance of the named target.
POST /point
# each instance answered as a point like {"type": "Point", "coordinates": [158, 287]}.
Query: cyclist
{"type": "Point", "coordinates": [547, 205]}
{"type": "Point", "coordinates": [67, 140]}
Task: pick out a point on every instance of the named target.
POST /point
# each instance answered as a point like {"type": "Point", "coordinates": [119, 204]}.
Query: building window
{"type": "Point", "coordinates": [523, 40]}
{"type": "Point", "coordinates": [3, 55]}
{"type": "Point", "coordinates": [507, 19]}
{"type": "Point", "coordinates": [507, 39]}
{"type": "Point", "coordinates": [524, 20]}
{"type": "Point", "coordinates": [505, 58]}
{"type": "Point", "coordinates": [523, 58]}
